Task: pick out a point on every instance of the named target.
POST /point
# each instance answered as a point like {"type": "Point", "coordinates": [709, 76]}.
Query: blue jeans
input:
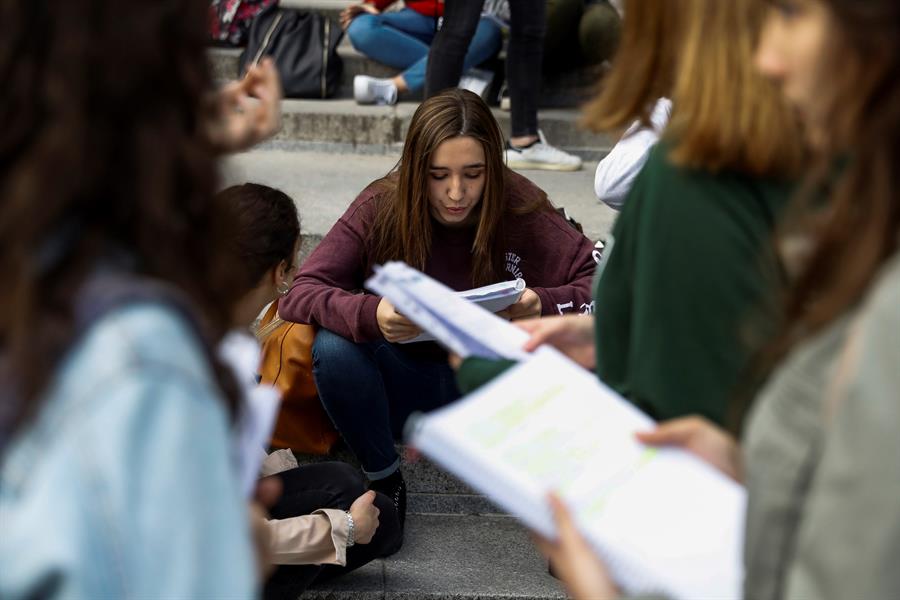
{"type": "Point", "coordinates": [401, 40]}
{"type": "Point", "coordinates": [370, 389]}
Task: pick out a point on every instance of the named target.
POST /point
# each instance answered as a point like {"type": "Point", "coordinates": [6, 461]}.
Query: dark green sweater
{"type": "Point", "coordinates": [687, 291]}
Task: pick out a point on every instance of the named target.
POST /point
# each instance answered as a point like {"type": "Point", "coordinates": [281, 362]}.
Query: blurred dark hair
{"type": "Point", "coordinates": [268, 229]}
{"type": "Point", "coordinates": [846, 239]}
{"type": "Point", "coordinates": [860, 171]}
{"type": "Point", "coordinates": [103, 149]}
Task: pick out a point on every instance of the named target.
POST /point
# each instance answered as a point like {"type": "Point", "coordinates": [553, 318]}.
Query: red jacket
{"type": "Point", "coordinates": [555, 261]}
{"type": "Point", "coordinates": [429, 8]}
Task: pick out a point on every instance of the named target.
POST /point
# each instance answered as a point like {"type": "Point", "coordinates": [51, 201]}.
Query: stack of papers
{"type": "Point", "coordinates": [473, 328]}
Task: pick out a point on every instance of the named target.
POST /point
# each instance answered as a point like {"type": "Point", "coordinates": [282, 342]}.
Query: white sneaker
{"type": "Point", "coordinates": [371, 90]}
{"type": "Point", "coordinates": [477, 81]}
{"type": "Point", "coordinates": [541, 155]}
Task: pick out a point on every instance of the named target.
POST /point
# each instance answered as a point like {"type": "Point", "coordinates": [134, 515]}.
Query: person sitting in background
{"type": "Point", "coordinates": [579, 33]}
{"type": "Point", "coordinates": [617, 170]}
{"type": "Point", "coordinates": [325, 523]}
{"type": "Point", "coordinates": [820, 447]}
{"type": "Point", "coordinates": [452, 209]}
{"type": "Point", "coordinates": [401, 40]}
{"type": "Point", "coordinates": [115, 412]}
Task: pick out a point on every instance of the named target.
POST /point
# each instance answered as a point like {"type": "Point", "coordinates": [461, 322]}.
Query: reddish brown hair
{"type": "Point", "coordinates": [699, 53]}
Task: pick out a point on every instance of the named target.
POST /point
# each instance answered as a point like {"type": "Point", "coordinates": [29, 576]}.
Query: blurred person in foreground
{"type": "Point", "coordinates": [819, 451]}
{"type": "Point", "coordinates": [116, 415]}
{"type": "Point", "coordinates": [688, 272]}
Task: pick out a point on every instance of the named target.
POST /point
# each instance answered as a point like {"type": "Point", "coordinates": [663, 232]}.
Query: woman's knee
{"type": "Point", "coordinates": [334, 484]}
{"type": "Point", "coordinates": [598, 33]}
{"type": "Point", "coordinates": [347, 482]}
{"type": "Point", "coordinates": [362, 31]}
{"type": "Point", "coordinates": [332, 351]}
{"type": "Point", "coordinates": [489, 37]}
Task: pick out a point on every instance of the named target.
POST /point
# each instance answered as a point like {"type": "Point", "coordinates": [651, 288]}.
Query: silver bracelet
{"type": "Point", "coordinates": [351, 538]}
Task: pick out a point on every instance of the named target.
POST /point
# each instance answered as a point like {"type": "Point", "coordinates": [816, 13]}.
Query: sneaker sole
{"type": "Point", "coordinates": [539, 166]}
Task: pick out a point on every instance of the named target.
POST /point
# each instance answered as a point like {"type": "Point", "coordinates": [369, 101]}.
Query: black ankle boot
{"type": "Point", "coordinates": [394, 487]}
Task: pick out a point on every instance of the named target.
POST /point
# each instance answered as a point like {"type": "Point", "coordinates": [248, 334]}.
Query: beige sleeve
{"type": "Point", "coordinates": [316, 539]}
{"type": "Point", "coordinates": [849, 538]}
{"type": "Point", "coordinates": [278, 462]}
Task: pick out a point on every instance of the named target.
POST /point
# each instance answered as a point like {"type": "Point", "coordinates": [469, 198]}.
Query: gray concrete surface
{"type": "Point", "coordinates": [324, 184]}
{"type": "Point", "coordinates": [452, 557]}
{"type": "Point", "coordinates": [431, 490]}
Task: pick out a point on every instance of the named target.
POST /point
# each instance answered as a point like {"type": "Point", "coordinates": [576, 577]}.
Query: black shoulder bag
{"type": "Point", "coordinates": [303, 46]}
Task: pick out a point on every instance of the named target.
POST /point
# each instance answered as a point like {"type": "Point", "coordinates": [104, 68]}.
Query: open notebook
{"type": "Point", "coordinates": [663, 520]}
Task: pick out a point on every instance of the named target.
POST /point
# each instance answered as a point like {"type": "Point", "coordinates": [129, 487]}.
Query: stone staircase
{"type": "Point", "coordinates": [458, 545]}
{"type": "Point", "coordinates": [338, 125]}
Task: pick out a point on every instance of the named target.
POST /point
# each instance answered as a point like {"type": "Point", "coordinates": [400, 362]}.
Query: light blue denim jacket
{"type": "Point", "coordinates": [122, 487]}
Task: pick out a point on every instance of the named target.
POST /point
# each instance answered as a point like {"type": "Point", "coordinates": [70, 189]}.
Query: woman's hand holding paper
{"type": "Point", "coordinates": [527, 307]}
{"type": "Point", "coordinates": [394, 326]}
{"type": "Point", "coordinates": [573, 335]}
{"type": "Point", "coordinates": [701, 438]}
{"type": "Point", "coordinates": [573, 561]}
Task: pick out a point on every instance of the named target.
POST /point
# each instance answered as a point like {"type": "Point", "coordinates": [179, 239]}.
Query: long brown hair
{"type": "Point", "coordinates": [103, 146]}
{"type": "Point", "coordinates": [699, 53]}
{"type": "Point", "coordinates": [403, 225]}
{"type": "Point", "coordinates": [855, 230]}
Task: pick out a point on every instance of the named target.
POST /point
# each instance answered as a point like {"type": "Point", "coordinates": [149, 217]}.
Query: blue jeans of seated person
{"type": "Point", "coordinates": [370, 389]}
{"type": "Point", "coordinates": [401, 40]}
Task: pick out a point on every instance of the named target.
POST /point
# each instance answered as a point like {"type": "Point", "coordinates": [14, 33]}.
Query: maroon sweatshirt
{"type": "Point", "coordinates": [554, 260]}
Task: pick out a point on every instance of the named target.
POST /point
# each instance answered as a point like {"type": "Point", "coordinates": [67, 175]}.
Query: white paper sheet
{"type": "Point", "coordinates": [258, 411]}
{"type": "Point", "coordinates": [459, 325]}
{"type": "Point", "coordinates": [663, 520]}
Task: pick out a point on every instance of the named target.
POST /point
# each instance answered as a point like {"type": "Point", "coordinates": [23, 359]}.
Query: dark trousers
{"type": "Point", "coordinates": [370, 389]}
{"type": "Point", "coordinates": [523, 61]}
{"type": "Point", "coordinates": [329, 485]}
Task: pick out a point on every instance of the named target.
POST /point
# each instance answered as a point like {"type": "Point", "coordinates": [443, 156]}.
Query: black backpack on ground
{"type": "Point", "coordinates": [303, 46]}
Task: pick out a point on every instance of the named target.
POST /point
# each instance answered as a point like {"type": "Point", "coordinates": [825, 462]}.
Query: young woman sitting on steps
{"type": "Point", "coordinates": [453, 210]}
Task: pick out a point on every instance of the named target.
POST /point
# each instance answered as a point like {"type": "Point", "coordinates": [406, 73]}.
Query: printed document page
{"type": "Point", "coordinates": [664, 521]}
{"type": "Point", "coordinates": [259, 411]}
{"type": "Point", "coordinates": [492, 298]}
{"type": "Point", "coordinates": [459, 325]}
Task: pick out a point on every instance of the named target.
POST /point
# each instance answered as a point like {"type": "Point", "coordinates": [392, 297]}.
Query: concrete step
{"type": "Point", "coordinates": [225, 63]}
{"type": "Point", "coordinates": [566, 89]}
{"type": "Point", "coordinates": [430, 490]}
{"type": "Point", "coordinates": [452, 558]}
{"type": "Point", "coordinates": [345, 127]}
{"type": "Point", "coordinates": [323, 185]}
